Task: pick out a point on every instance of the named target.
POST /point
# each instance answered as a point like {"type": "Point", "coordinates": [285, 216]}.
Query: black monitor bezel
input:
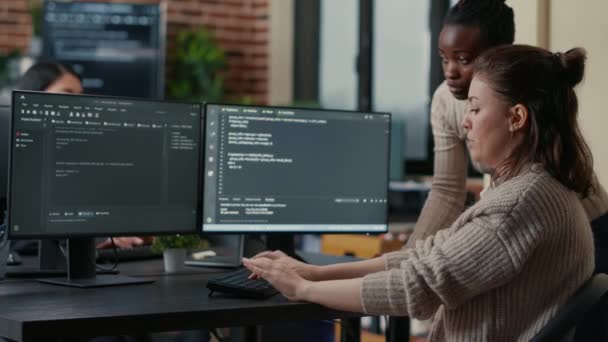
{"type": "Point", "coordinates": [279, 232]}
{"type": "Point", "coordinates": [12, 235]}
{"type": "Point", "coordinates": [4, 192]}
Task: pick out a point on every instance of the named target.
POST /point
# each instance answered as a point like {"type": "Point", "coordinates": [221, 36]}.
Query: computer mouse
{"type": "Point", "coordinates": [13, 259]}
{"type": "Point", "coordinates": [203, 254]}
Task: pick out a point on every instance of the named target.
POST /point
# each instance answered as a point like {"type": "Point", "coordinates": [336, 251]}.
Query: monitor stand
{"type": "Point", "coordinates": [284, 242]}
{"type": "Point", "coordinates": [50, 256]}
{"type": "Point", "coordinates": [81, 268]}
{"type": "Point", "coordinates": [51, 263]}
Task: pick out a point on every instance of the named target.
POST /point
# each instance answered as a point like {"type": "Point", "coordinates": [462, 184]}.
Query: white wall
{"type": "Point", "coordinates": [338, 50]}
{"type": "Point", "coordinates": [584, 23]}
{"type": "Point", "coordinates": [280, 64]}
{"type": "Point", "coordinates": [401, 67]}
{"type": "Point", "coordinates": [531, 25]}
{"type": "Point", "coordinates": [564, 24]}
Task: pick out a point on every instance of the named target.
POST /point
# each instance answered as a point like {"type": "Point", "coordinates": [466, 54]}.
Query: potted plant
{"type": "Point", "coordinates": [197, 65]}
{"type": "Point", "coordinates": [174, 248]}
{"type": "Point", "coordinates": [9, 69]}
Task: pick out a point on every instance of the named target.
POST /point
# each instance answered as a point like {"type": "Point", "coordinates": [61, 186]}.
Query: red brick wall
{"type": "Point", "coordinates": [241, 28]}
{"type": "Point", "coordinates": [15, 25]}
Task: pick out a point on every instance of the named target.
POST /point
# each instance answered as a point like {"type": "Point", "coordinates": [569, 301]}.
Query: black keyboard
{"type": "Point", "coordinates": [126, 254]}
{"type": "Point", "coordinates": [238, 283]}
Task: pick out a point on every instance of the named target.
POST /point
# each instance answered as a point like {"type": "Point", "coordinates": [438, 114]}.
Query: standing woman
{"type": "Point", "coordinates": [471, 27]}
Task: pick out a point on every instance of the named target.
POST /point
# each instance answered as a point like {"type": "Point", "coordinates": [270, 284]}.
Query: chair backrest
{"type": "Point", "coordinates": [589, 304]}
{"type": "Point", "coordinates": [599, 227]}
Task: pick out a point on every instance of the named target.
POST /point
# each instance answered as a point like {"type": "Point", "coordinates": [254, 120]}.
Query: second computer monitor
{"type": "Point", "coordinates": [117, 47]}
{"type": "Point", "coordinates": [102, 166]}
{"type": "Point", "coordinates": [272, 169]}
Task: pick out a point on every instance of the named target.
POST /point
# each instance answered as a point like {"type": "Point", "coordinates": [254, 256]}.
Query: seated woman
{"type": "Point", "coordinates": [505, 266]}
{"type": "Point", "coordinates": [53, 77]}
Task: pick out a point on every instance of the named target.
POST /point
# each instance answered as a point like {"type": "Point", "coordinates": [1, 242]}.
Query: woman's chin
{"type": "Point", "coordinates": [485, 168]}
{"type": "Point", "coordinates": [481, 165]}
{"type": "Point", "coordinates": [475, 160]}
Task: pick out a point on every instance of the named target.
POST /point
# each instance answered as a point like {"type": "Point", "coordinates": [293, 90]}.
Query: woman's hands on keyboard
{"type": "Point", "coordinates": [304, 270]}
{"type": "Point", "coordinates": [282, 272]}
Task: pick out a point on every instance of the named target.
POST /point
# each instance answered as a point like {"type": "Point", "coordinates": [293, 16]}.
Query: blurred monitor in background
{"type": "Point", "coordinates": [118, 49]}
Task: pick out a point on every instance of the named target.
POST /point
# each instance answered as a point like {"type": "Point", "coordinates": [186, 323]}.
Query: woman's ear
{"type": "Point", "coordinates": [519, 117]}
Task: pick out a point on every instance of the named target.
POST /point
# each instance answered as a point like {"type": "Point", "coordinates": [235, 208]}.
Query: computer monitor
{"type": "Point", "coordinates": [117, 48]}
{"type": "Point", "coordinates": [84, 166]}
{"type": "Point", "coordinates": [285, 170]}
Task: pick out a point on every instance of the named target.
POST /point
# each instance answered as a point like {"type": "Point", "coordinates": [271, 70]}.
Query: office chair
{"type": "Point", "coordinates": [586, 310]}
{"type": "Point", "coordinates": [599, 227]}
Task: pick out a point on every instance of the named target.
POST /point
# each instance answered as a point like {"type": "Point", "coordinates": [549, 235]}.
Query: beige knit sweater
{"type": "Point", "coordinates": [446, 199]}
{"type": "Point", "coordinates": [499, 273]}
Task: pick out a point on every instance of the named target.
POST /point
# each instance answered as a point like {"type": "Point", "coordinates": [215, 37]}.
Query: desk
{"type": "Point", "coordinates": [31, 311]}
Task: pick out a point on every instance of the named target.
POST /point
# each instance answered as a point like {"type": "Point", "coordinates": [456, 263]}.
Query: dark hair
{"type": "Point", "coordinates": [40, 75]}
{"type": "Point", "coordinates": [543, 82]}
{"type": "Point", "coordinates": [493, 18]}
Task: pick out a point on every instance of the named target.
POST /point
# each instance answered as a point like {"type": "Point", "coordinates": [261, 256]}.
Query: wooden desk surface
{"type": "Point", "coordinates": [31, 311]}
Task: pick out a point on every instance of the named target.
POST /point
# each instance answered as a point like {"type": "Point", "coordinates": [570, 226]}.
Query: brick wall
{"type": "Point", "coordinates": [15, 25]}
{"type": "Point", "coordinates": [241, 28]}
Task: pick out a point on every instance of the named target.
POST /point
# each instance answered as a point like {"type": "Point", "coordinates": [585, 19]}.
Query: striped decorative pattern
{"type": "Point", "coordinates": [500, 272]}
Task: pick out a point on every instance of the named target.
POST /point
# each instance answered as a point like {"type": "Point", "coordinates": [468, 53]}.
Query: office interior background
{"type": "Point", "coordinates": [354, 54]}
{"type": "Point", "coordinates": [344, 54]}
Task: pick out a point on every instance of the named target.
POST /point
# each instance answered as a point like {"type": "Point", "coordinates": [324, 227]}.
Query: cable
{"type": "Point", "coordinates": [115, 252]}
{"type": "Point", "coordinates": [62, 249]}
{"type": "Point", "coordinates": [92, 261]}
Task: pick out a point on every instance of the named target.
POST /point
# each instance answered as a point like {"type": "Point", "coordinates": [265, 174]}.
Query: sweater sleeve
{"type": "Point", "coordinates": [448, 268]}
{"type": "Point", "coordinates": [446, 199]}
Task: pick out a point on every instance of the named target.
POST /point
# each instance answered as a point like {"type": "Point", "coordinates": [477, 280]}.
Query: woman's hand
{"type": "Point", "coordinates": [126, 242]}
{"type": "Point", "coordinates": [304, 270]}
{"type": "Point", "coordinates": [281, 274]}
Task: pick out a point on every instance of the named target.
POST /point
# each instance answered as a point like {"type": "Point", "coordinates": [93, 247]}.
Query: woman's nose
{"type": "Point", "coordinates": [451, 71]}
{"type": "Point", "coordinates": [466, 122]}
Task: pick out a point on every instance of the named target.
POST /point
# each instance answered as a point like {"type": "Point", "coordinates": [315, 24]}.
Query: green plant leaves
{"type": "Point", "coordinates": [197, 68]}
{"type": "Point", "coordinates": [176, 241]}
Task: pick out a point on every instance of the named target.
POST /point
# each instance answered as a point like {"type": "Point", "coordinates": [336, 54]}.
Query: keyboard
{"type": "Point", "coordinates": [107, 255]}
{"type": "Point", "coordinates": [237, 283]}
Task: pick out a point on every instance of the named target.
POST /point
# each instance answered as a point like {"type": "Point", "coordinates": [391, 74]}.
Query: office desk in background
{"type": "Point", "coordinates": [31, 311]}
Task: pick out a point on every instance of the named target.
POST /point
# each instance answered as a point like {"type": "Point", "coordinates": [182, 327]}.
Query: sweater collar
{"type": "Point", "coordinates": [529, 167]}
